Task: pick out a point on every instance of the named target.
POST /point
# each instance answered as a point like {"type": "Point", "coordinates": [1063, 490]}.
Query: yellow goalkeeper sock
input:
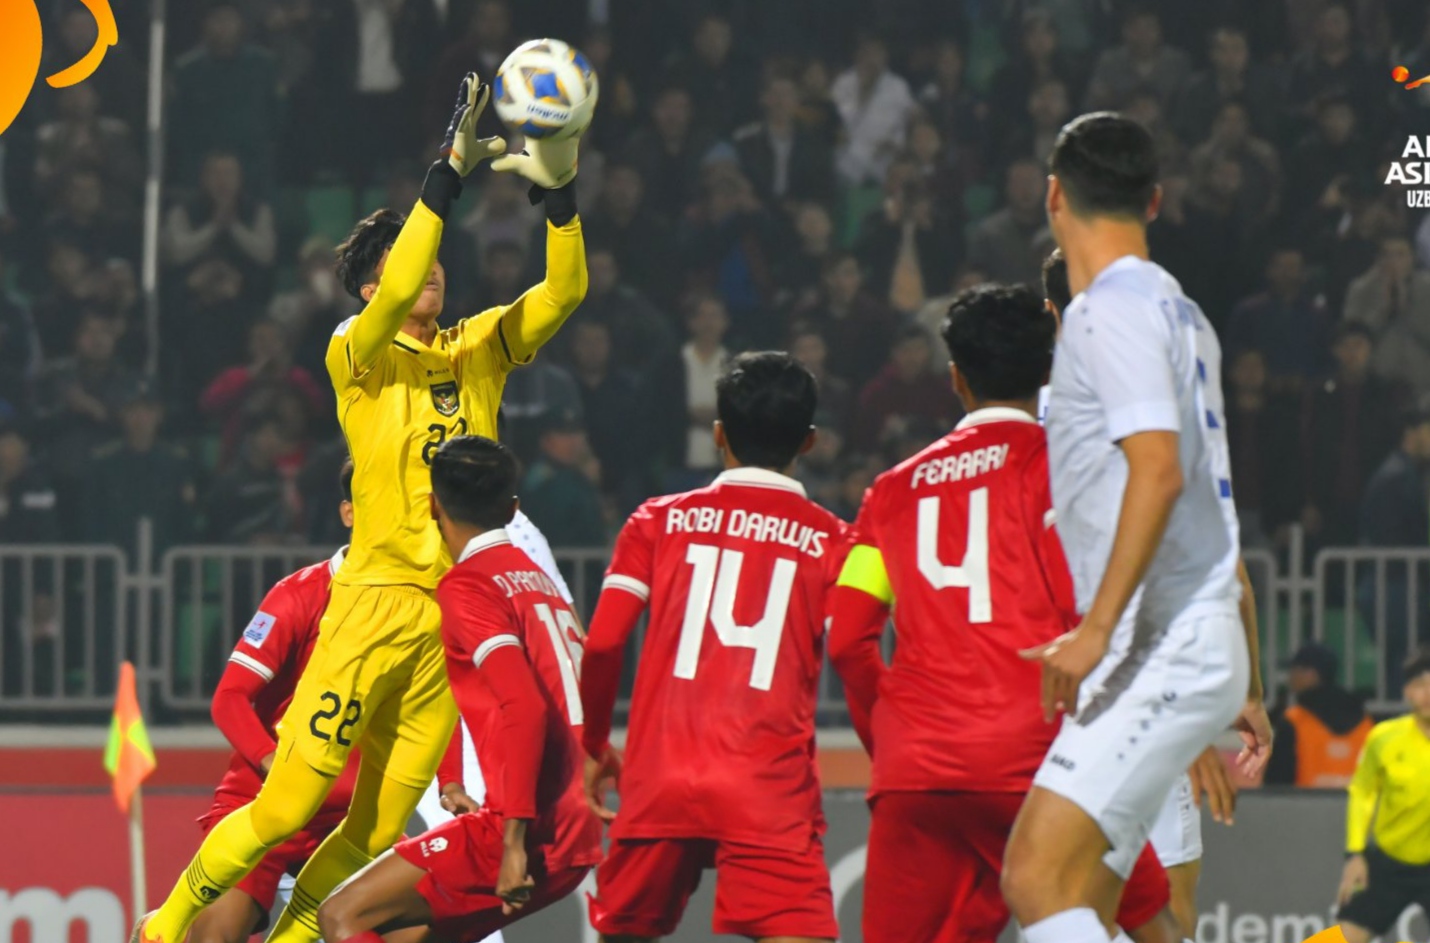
{"type": "Point", "coordinates": [334, 862]}
{"type": "Point", "coordinates": [230, 851]}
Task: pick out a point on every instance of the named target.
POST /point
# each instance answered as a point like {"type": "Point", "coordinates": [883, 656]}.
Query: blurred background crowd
{"type": "Point", "coordinates": [817, 175]}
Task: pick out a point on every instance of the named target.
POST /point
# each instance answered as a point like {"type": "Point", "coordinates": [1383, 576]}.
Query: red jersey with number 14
{"type": "Point", "coordinates": [495, 596]}
{"type": "Point", "coordinates": [965, 530]}
{"type": "Point", "coordinates": [720, 743]}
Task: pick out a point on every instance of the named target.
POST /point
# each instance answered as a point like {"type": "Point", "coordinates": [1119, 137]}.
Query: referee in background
{"type": "Point", "coordinates": [1388, 817]}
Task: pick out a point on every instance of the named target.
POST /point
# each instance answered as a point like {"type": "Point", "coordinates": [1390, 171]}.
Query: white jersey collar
{"type": "Point", "coordinates": [492, 538]}
{"type": "Point", "coordinates": [335, 562]}
{"type": "Point", "coordinates": [760, 478]}
{"type": "Point", "coordinates": [993, 414]}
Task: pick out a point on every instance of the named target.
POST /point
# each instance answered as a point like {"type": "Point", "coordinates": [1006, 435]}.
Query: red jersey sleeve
{"type": "Point", "coordinates": [1042, 529]}
{"type": "Point", "coordinates": [633, 560]}
{"type": "Point", "coordinates": [475, 620]}
{"type": "Point", "coordinates": [234, 715]}
{"type": "Point", "coordinates": [277, 631]}
{"type": "Point", "coordinates": [858, 609]}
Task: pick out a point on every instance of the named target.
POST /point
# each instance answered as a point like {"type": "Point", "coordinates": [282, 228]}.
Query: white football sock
{"type": "Point", "coordinates": [1079, 925]}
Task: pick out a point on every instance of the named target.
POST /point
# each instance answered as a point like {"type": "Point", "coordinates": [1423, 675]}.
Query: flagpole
{"type": "Point", "coordinates": [138, 885]}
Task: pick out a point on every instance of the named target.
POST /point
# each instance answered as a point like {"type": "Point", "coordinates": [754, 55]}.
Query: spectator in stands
{"type": "Point", "coordinates": [639, 336]}
{"type": "Point", "coordinates": [1038, 59]}
{"type": "Point", "coordinates": [226, 99]}
{"type": "Point", "coordinates": [642, 241]}
{"type": "Point", "coordinates": [836, 399]}
{"type": "Point", "coordinates": [482, 47]}
{"type": "Point", "coordinates": [798, 271]}
{"type": "Point", "coordinates": [29, 504]}
{"type": "Point", "coordinates": [1222, 238]}
{"type": "Point", "coordinates": [859, 327]}
{"type": "Point", "coordinates": [953, 110]}
{"type": "Point", "coordinates": [501, 213]}
{"type": "Point", "coordinates": [19, 348]}
{"type": "Point", "coordinates": [685, 389]}
{"type": "Point", "coordinates": [76, 402]}
{"type": "Point", "coordinates": [1231, 139]}
{"type": "Point", "coordinates": [1396, 513]}
{"type": "Point", "coordinates": [935, 168]}
{"type": "Point", "coordinates": [139, 476]}
{"type": "Point", "coordinates": [80, 138]}
{"type": "Point", "coordinates": [667, 153]}
{"type": "Point", "coordinates": [616, 412]}
{"type": "Point", "coordinates": [249, 503]}
{"type": "Point", "coordinates": [906, 246]}
{"type": "Point", "coordinates": [785, 162]}
{"type": "Point", "coordinates": [875, 106]}
{"type": "Point", "coordinates": [1142, 61]}
{"type": "Point", "coordinates": [1262, 428]}
{"type": "Point", "coordinates": [1284, 322]}
{"type": "Point", "coordinates": [1048, 108]}
{"type": "Point", "coordinates": [83, 218]}
{"type": "Point", "coordinates": [243, 392]}
{"type": "Point", "coordinates": [1319, 737]}
{"type": "Point", "coordinates": [1332, 149]}
{"type": "Point", "coordinates": [560, 491]}
{"type": "Point", "coordinates": [721, 81]}
{"type": "Point", "coordinates": [909, 387]}
{"type": "Point", "coordinates": [1393, 300]}
{"type": "Point", "coordinates": [1335, 67]}
{"type": "Point", "coordinates": [67, 292]}
{"type": "Point", "coordinates": [1010, 245]}
{"type": "Point", "coordinates": [1231, 77]}
{"type": "Point", "coordinates": [503, 275]}
{"type": "Point", "coordinates": [124, 92]}
{"type": "Point", "coordinates": [1350, 426]}
{"type": "Point", "coordinates": [312, 309]}
{"type": "Point", "coordinates": [818, 112]}
{"type": "Point", "coordinates": [29, 514]}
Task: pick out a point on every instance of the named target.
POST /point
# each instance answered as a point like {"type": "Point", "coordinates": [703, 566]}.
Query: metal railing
{"type": "Point", "coordinates": [70, 613]}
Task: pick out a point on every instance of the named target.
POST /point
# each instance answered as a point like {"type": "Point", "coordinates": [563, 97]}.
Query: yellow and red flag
{"type": "Point", "coordinates": [129, 757]}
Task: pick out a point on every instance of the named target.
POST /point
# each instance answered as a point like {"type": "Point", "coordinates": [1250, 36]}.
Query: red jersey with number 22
{"type": "Point", "coordinates": [965, 529]}
{"type": "Point", "coordinates": [720, 743]}
{"type": "Point", "coordinates": [496, 596]}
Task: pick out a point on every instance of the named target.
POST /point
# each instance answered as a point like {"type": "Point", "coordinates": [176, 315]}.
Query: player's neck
{"type": "Point", "coordinates": [458, 536]}
{"type": "Point", "coordinates": [1029, 406]}
{"type": "Point", "coordinates": [1093, 245]}
{"type": "Point", "coordinates": [424, 331]}
{"type": "Point", "coordinates": [732, 463]}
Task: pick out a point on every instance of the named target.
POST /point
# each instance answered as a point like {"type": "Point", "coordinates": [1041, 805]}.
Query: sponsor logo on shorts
{"type": "Point", "coordinates": [258, 628]}
{"type": "Point", "coordinates": [434, 846]}
{"type": "Point", "coordinates": [1057, 759]}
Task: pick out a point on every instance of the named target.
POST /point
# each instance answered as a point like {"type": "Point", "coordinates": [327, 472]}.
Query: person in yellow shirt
{"type": "Point", "coordinates": [1388, 818]}
{"type": "Point", "coordinates": [404, 386]}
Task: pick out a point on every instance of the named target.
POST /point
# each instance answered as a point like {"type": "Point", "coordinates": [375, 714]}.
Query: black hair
{"type": "Point", "coordinates": [474, 479]}
{"type": "Point", "coordinates": [1055, 281]}
{"type": "Point", "coordinates": [1107, 165]}
{"type": "Point", "coordinates": [345, 480]}
{"type": "Point", "coordinates": [1416, 665]}
{"type": "Point", "coordinates": [360, 252]}
{"type": "Point", "coordinates": [1001, 339]}
{"type": "Point", "coordinates": [766, 401]}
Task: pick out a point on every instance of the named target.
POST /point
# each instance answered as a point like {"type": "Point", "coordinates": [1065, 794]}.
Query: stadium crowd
{"type": "Point", "coordinates": [816, 175]}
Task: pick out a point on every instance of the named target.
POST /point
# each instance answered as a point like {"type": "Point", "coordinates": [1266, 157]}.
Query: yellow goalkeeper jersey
{"type": "Point", "coordinates": [399, 399]}
{"type": "Point", "coordinates": [1390, 793]}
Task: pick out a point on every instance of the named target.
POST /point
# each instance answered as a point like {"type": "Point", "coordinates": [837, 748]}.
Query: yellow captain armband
{"type": "Point", "coordinates": [864, 571]}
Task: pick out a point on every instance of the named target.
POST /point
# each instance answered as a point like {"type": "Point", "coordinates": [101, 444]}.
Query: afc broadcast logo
{"type": "Point", "coordinates": [1413, 167]}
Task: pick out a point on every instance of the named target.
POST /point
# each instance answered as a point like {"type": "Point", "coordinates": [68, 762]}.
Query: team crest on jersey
{"type": "Point", "coordinates": [444, 397]}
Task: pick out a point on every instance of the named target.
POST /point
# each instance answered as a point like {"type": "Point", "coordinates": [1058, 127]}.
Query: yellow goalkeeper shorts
{"type": "Point", "coordinates": [377, 678]}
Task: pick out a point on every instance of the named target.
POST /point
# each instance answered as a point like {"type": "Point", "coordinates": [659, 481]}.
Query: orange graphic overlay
{"type": "Point", "coordinates": [1400, 74]}
{"type": "Point", "coordinates": [20, 43]}
{"type": "Point", "coordinates": [108, 36]}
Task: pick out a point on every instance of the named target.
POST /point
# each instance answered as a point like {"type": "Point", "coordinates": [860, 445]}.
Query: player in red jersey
{"type": "Point", "coordinates": [719, 762]}
{"type": "Point", "coordinates": [962, 536]}
{"type": "Point", "coordinates": [250, 699]}
{"type": "Point", "coordinates": [513, 652]}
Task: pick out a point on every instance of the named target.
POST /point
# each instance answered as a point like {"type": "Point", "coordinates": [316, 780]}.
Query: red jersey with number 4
{"type": "Point", "coordinates": [276, 646]}
{"type": "Point", "coordinates": [496, 596]}
{"type": "Point", "coordinates": [720, 743]}
{"type": "Point", "coordinates": [965, 529]}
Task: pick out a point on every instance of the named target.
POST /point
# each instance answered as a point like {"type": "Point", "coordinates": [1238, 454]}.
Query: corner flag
{"type": "Point", "coordinates": [129, 757]}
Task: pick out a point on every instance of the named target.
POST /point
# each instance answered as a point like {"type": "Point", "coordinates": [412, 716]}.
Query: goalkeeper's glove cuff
{"type": "Point", "coordinates": [559, 203]}
{"type": "Point", "coordinates": [442, 187]}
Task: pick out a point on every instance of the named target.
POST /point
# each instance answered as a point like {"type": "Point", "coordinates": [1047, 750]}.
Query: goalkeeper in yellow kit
{"type": "Point", "coordinates": [404, 386]}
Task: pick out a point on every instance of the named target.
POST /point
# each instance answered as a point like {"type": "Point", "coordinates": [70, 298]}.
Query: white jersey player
{"type": "Point", "coordinates": [1141, 483]}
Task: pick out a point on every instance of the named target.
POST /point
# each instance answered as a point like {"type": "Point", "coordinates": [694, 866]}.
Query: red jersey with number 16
{"type": "Point", "coordinates": [965, 530]}
{"type": "Point", "coordinates": [720, 743]}
{"type": "Point", "coordinates": [493, 597]}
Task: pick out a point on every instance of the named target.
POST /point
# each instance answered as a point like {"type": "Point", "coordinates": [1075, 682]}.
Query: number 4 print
{"type": "Point", "coordinates": [972, 574]}
{"type": "Point", "coordinates": [712, 595]}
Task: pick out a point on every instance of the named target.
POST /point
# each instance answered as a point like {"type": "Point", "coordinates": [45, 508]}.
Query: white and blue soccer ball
{"type": "Point", "coordinates": [545, 89]}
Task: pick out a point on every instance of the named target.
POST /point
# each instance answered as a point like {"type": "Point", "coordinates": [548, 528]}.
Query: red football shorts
{"type": "Point", "coordinates": [644, 884]}
{"type": "Point", "coordinates": [288, 858]}
{"type": "Point", "coordinates": [935, 859]}
{"type": "Point", "coordinates": [462, 859]}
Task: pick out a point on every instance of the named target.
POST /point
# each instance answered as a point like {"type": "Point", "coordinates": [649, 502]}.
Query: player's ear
{"type": "Point", "coordinates": [960, 387]}
{"type": "Point", "coordinates": [367, 291]}
{"type": "Point", "coordinates": [1055, 195]}
{"type": "Point", "coordinates": [345, 514]}
{"type": "Point", "coordinates": [720, 442]}
{"type": "Point", "coordinates": [1155, 207]}
{"type": "Point", "coordinates": [809, 440]}
{"type": "Point", "coordinates": [434, 506]}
